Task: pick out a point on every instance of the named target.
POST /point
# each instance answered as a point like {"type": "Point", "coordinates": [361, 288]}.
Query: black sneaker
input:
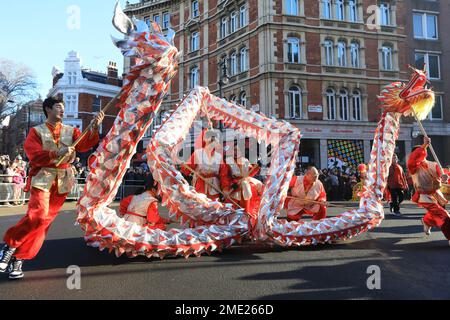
{"type": "Point", "coordinates": [15, 269]}
{"type": "Point", "coordinates": [6, 256]}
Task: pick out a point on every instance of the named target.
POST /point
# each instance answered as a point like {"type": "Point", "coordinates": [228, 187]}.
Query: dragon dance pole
{"type": "Point", "coordinates": [74, 144]}
{"type": "Point", "coordinates": [422, 129]}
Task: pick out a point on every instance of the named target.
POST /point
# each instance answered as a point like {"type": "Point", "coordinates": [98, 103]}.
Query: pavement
{"type": "Point", "coordinates": [410, 265]}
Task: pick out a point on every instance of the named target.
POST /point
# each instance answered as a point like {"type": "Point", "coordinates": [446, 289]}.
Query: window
{"type": "Point", "coordinates": [353, 10]}
{"type": "Point", "coordinates": [343, 104]}
{"type": "Point", "coordinates": [233, 98]}
{"type": "Point", "coordinates": [195, 9]}
{"type": "Point", "coordinates": [354, 55]}
{"type": "Point", "coordinates": [223, 27]}
{"type": "Point", "coordinates": [356, 101]}
{"type": "Point", "coordinates": [436, 113]}
{"type": "Point", "coordinates": [244, 59]}
{"type": "Point", "coordinates": [329, 53]}
{"type": "Point", "coordinates": [195, 41]}
{"type": "Point", "coordinates": [430, 62]}
{"type": "Point", "coordinates": [425, 26]}
{"type": "Point", "coordinates": [71, 103]}
{"type": "Point", "coordinates": [157, 18]}
{"type": "Point", "coordinates": [385, 13]}
{"type": "Point", "coordinates": [295, 103]}
{"type": "Point", "coordinates": [243, 16]}
{"type": "Point", "coordinates": [291, 7]}
{"type": "Point", "coordinates": [233, 22]}
{"type": "Point", "coordinates": [386, 58]}
{"type": "Point", "coordinates": [233, 64]}
{"type": "Point", "coordinates": [166, 20]}
{"type": "Point", "coordinates": [331, 104]}
{"type": "Point", "coordinates": [340, 10]}
{"type": "Point", "coordinates": [97, 104]}
{"type": "Point", "coordinates": [243, 99]}
{"type": "Point", "coordinates": [195, 77]}
{"type": "Point", "coordinates": [293, 50]}
{"type": "Point", "coordinates": [326, 5]}
{"type": "Point", "coordinates": [148, 21]}
{"type": "Point", "coordinates": [342, 54]}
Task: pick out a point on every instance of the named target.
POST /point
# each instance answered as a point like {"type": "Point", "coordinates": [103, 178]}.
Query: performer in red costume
{"type": "Point", "coordinates": [308, 194]}
{"type": "Point", "coordinates": [48, 184]}
{"type": "Point", "coordinates": [237, 182]}
{"type": "Point", "coordinates": [143, 208]}
{"type": "Point", "coordinates": [427, 178]}
{"type": "Point", "coordinates": [206, 161]}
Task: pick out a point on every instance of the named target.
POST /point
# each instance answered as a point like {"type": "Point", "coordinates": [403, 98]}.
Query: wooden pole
{"type": "Point", "coordinates": [320, 202]}
{"type": "Point", "coordinates": [422, 129]}
{"type": "Point", "coordinates": [85, 132]}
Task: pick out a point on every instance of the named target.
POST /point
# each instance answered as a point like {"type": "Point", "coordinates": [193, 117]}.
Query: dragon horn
{"type": "Point", "coordinates": [121, 21]}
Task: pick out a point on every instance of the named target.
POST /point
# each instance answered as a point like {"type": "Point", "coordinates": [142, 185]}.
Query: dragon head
{"type": "Point", "coordinates": [411, 98]}
{"type": "Point", "coordinates": [146, 43]}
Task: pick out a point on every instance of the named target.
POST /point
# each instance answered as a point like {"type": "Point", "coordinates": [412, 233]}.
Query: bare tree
{"type": "Point", "coordinates": [17, 85]}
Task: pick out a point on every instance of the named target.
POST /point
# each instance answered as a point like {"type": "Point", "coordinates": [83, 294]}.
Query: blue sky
{"type": "Point", "coordinates": [37, 34]}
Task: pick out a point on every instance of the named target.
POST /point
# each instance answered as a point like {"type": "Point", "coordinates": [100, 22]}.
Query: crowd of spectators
{"type": "Point", "coordinates": [12, 177]}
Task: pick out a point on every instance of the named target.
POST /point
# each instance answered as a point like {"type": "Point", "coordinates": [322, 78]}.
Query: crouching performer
{"type": "Point", "coordinates": [307, 196]}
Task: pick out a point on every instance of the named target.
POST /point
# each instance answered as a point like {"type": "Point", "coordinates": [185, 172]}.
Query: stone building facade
{"type": "Point", "coordinates": [316, 63]}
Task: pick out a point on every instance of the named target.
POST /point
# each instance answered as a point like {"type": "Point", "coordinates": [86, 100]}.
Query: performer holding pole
{"type": "Point", "coordinates": [427, 178]}
{"type": "Point", "coordinates": [238, 184]}
{"type": "Point", "coordinates": [48, 183]}
{"type": "Point", "coordinates": [308, 194]}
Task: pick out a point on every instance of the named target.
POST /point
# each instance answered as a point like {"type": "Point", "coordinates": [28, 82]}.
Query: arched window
{"type": "Point", "coordinates": [356, 101]}
{"type": "Point", "coordinates": [385, 12]}
{"type": "Point", "coordinates": [293, 50]}
{"type": "Point", "coordinates": [386, 57]}
{"type": "Point", "coordinates": [223, 27]}
{"type": "Point", "coordinates": [353, 10]}
{"type": "Point", "coordinates": [244, 59]}
{"type": "Point", "coordinates": [343, 104]}
{"type": "Point", "coordinates": [331, 104]}
{"type": "Point", "coordinates": [354, 54]}
{"type": "Point", "coordinates": [233, 64]}
{"type": "Point", "coordinates": [243, 99]}
{"type": "Point", "coordinates": [340, 10]}
{"type": "Point", "coordinates": [195, 77]}
{"type": "Point", "coordinates": [295, 102]}
{"type": "Point", "coordinates": [195, 9]}
{"type": "Point", "coordinates": [342, 54]}
{"type": "Point", "coordinates": [326, 5]}
{"type": "Point", "coordinates": [329, 52]}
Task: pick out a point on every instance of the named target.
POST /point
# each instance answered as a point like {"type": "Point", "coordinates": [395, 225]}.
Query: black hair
{"type": "Point", "coordinates": [416, 147]}
{"type": "Point", "coordinates": [49, 103]}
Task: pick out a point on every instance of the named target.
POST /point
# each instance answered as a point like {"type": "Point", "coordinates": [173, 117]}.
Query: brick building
{"type": "Point", "coordinates": [428, 45]}
{"type": "Point", "coordinates": [85, 92]}
{"type": "Point", "coordinates": [14, 135]}
{"type": "Point", "coordinates": [316, 63]}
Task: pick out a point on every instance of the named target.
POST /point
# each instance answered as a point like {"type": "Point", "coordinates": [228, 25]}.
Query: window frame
{"type": "Point", "coordinates": [194, 77]}
{"type": "Point", "coordinates": [329, 52]}
{"type": "Point", "coordinates": [195, 8]}
{"type": "Point", "coordinates": [243, 58]}
{"type": "Point", "coordinates": [291, 42]}
{"type": "Point", "coordinates": [195, 41]}
{"type": "Point", "coordinates": [293, 93]}
{"type": "Point", "coordinates": [166, 24]}
{"type": "Point", "coordinates": [331, 103]}
{"type": "Point", "coordinates": [391, 57]}
{"type": "Point", "coordinates": [426, 61]}
{"type": "Point", "coordinates": [424, 25]}
{"type": "Point", "coordinates": [356, 97]}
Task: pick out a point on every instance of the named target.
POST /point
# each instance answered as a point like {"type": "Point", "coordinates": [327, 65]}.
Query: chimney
{"type": "Point", "coordinates": [113, 74]}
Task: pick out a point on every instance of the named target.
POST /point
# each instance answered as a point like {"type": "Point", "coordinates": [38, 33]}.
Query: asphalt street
{"type": "Point", "coordinates": [411, 266]}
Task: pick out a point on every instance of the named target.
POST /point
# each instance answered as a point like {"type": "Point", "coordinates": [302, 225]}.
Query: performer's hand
{"type": "Point", "coordinates": [444, 178]}
{"type": "Point", "coordinates": [98, 119]}
{"type": "Point", "coordinates": [66, 151]}
{"type": "Point", "coordinates": [426, 141]}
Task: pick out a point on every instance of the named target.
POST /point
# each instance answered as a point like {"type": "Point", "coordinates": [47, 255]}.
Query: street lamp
{"type": "Point", "coordinates": [223, 76]}
{"type": "Point", "coordinates": [223, 80]}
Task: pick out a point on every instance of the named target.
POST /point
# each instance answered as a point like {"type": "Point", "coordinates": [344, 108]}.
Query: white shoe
{"type": "Point", "coordinates": [426, 228]}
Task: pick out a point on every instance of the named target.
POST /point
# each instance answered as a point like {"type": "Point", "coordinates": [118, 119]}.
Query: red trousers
{"type": "Point", "coordinates": [321, 214]}
{"type": "Point", "coordinates": [437, 216]}
{"type": "Point", "coordinates": [28, 235]}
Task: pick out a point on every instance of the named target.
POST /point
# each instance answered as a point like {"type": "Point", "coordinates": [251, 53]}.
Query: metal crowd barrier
{"type": "Point", "coordinates": [129, 187]}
